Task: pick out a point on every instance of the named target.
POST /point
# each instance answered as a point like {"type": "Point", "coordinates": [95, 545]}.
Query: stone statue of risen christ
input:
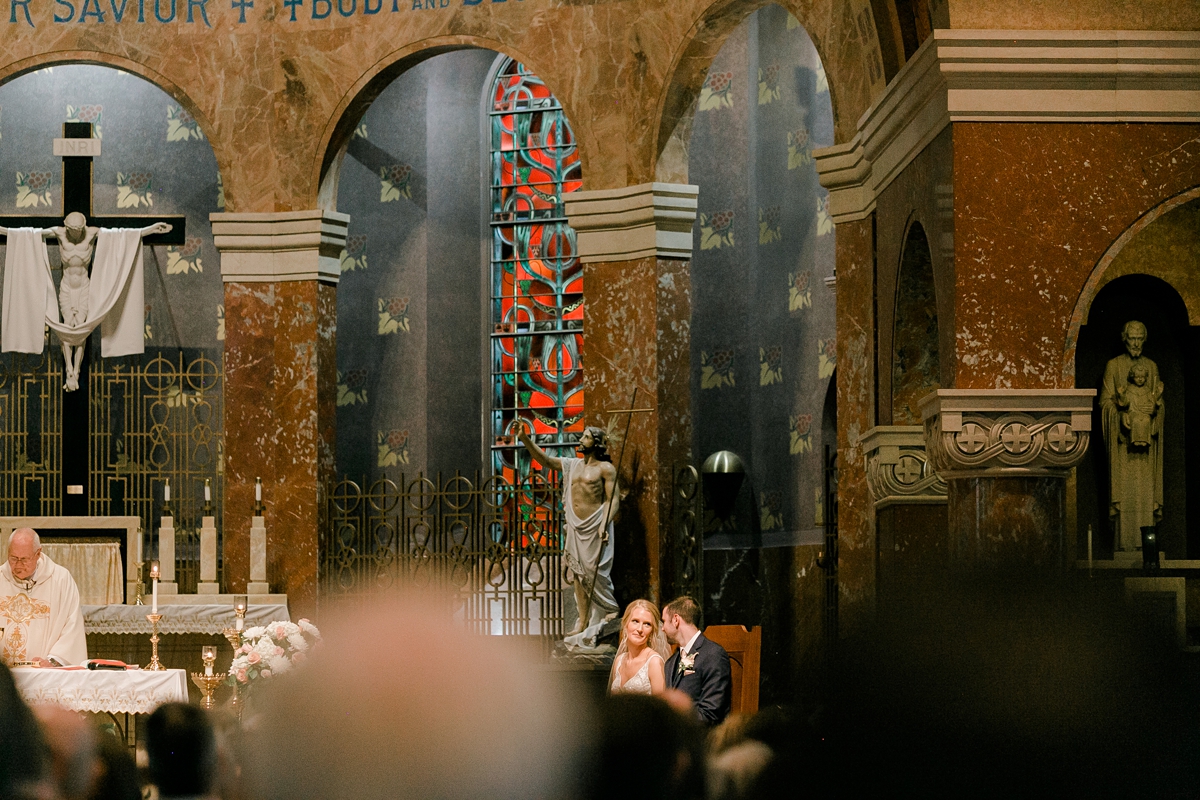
{"type": "Point", "coordinates": [77, 244]}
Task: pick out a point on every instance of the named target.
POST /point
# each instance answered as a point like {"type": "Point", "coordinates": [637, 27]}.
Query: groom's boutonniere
{"type": "Point", "coordinates": [687, 663]}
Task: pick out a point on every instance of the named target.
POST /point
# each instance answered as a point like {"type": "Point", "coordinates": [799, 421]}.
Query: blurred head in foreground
{"type": "Point", "coordinates": [72, 743]}
{"type": "Point", "coordinates": [400, 702]}
{"type": "Point", "coordinates": [22, 747]}
{"type": "Point", "coordinates": [182, 750]}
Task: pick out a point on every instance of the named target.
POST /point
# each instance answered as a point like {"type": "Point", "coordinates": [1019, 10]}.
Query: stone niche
{"type": "Point", "coordinates": [1153, 279]}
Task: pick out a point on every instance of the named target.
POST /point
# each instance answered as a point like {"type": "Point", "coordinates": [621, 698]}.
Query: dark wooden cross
{"type": "Point", "coordinates": [77, 149]}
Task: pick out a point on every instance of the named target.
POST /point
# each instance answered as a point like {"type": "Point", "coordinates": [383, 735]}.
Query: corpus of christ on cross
{"type": "Point", "coordinates": [77, 148]}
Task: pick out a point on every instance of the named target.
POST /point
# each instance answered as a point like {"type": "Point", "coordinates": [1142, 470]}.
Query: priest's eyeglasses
{"type": "Point", "coordinates": [21, 561]}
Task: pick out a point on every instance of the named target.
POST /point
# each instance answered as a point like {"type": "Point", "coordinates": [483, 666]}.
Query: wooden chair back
{"type": "Point", "coordinates": [745, 649]}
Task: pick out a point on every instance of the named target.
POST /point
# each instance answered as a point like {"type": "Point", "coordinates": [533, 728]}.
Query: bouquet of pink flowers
{"type": "Point", "coordinates": [271, 649]}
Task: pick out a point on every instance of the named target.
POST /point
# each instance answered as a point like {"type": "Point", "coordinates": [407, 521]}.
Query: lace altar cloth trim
{"type": "Point", "coordinates": [177, 618]}
{"type": "Point", "coordinates": [125, 692]}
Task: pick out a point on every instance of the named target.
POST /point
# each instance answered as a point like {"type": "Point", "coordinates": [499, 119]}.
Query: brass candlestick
{"type": "Point", "coordinates": [208, 681]}
{"type": "Point", "coordinates": [140, 585]}
{"type": "Point", "coordinates": [154, 665]}
{"type": "Point", "coordinates": [208, 684]}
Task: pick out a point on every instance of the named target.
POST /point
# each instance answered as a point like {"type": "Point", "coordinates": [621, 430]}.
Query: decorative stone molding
{"type": "Point", "coordinates": [651, 219]}
{"type": "Point", "coordinates": [898, 469]}
{"type": "Point", "coordinates": [285, 246]}
{"type": "Point", "coordinates": [1007, 432]}
{"type": "Point", "coordinates": [1010, 76]}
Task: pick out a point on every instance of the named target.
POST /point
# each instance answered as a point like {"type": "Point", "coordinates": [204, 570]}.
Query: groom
{"type": "Point", "coordinates": [699, 668]}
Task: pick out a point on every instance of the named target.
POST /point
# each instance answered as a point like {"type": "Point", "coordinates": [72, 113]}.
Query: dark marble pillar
{"type": "Point", "coordinates": [636, 245]}
{"type": "Point", "coordinates": [280, 274]}
{"type": "Point", "coordinates": [856, 415]}
{"type": "Point", "coordinates": [1006, 454]}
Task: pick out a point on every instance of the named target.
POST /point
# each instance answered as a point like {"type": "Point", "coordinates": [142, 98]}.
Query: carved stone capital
{"type": "Point", "coordinates": [651, 219]}
{"type": "Point", "coordinates": [898, 468]}
{"type": "Point", "coordinates": [1007, 432]}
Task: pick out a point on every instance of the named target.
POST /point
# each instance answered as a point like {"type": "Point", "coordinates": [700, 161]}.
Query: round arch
{"type": "Point", "coordinates": [1096, 279]}
{"type": "Point", "coordinates": [102, 59]}
{"type": "Point", "coordinates": [690, 63]}
{"type": "Point", "coordinates": [912, 343]}
{"type": "Point", "coordinates": [331, 146]}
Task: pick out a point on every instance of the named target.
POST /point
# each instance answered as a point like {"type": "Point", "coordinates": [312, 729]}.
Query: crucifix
{"type": "Point", "coordinates": [78, 148]}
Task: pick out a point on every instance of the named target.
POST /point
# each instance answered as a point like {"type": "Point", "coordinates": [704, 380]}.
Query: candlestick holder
{"type": "Point", "coordinates": [235, 638]}
{"type": "Point", "coordinates": [155, 665]}
{"type": "Point", "coordinates": [140, 585]}
{"type": "Point", "coordinates": [258, 508]}
{"type": "Point", "coordinates": [207, 685]}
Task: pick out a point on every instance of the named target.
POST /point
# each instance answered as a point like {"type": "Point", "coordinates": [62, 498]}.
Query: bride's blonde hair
{"type": "Point", "coordinates": [656, 640]}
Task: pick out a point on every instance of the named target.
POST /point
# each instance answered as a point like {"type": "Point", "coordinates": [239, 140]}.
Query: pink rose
{"type": "Point", "coordinates": [280, 633]}
{"type": "Point", "coordinates": [241, 676]}
{"type": "Point", "coordinates": [255, 658]}
{"type": "Point", "coordinates": [297, 658]}
{"type": "Point", "coordinates": [278, 650]}
{"type": "Point", "coordinates": [266, 673]}
{"type": "Point", "coordinates": [245, 648]}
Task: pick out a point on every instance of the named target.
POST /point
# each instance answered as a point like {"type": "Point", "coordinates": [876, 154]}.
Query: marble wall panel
{"type": "Point", "coordinates": [1036, 207]}
{"type": "Point", "coordinates": [270, 92]}
{"type": "Point", "coordinates": [856, 415]}
{"type": "Point", "coordinates": [923, 193]}
{"type": "Point", "coordinates": [1100, 15]}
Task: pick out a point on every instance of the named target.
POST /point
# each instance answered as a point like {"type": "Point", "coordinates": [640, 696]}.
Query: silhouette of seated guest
{"type": "Point", "coordinates": [182, 751]}
{"type": "Point", "coordinates": [71, 741]}
{"type": "Point", "coordinates": [23, 756]}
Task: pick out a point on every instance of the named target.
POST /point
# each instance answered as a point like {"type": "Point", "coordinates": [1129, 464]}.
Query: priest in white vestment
{"type": "Point", "coordinates": [39, 606]}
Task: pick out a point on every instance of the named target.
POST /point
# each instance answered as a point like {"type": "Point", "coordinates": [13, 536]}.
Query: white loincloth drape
{"type": "Point", "coordinates": [42, 616]}
{"type": "Point", "coordinates": [587, 554]}
{"type": "Point", "coordinates": [117, 295]}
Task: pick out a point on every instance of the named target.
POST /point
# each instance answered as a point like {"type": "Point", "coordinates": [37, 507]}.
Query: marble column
{"type": "Point", "coordinates": [636, 244]}
{"type": "Point", "coordinates": [910, 511]}
{"type": "Point", "coordinates": [1005, 455]}
{"type": "Point", "coordinates": [280, 272]}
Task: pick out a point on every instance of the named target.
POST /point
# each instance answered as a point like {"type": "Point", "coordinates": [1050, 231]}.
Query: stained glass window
{"type": "Point", "coordinates": [537, 280]}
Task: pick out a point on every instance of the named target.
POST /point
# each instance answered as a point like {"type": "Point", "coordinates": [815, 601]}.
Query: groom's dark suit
{"type": "Point", "coordinates": [708, 683]}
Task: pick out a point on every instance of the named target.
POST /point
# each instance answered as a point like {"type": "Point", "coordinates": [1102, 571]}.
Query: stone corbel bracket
{"type": "Point", "coordinates": [1007, 432]}
{"type": "Point", "coordinates": [898, 468]}
{"type": "Point", "coordinates": [644, 221]}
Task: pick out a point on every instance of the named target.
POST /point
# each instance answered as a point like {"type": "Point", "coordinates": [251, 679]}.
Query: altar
{"type": "Point", "coordinates": [111, 692]}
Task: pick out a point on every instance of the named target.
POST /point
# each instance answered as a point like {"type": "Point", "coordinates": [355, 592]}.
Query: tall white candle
{"type": "Point", "coordinates": [258, 490]}
{"type": "Point", "coordinates": [154, 584]}
{"type": "Point", "coordinates": [240, 610]}
{"type": "Point", "coordinates": [167, 492]}
{"type": "Point", "coordinates": [207, 491]}
{"type": "Point", "coordinates": [208, 669]}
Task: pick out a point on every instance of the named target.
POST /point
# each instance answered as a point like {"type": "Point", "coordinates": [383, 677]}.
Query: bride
{"type": "Point", "coordinates": [638, 667]}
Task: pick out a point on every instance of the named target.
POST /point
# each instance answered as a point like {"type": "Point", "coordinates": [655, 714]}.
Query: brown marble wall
{"type": "Point", "coordinates": [270, 93]}
{"type": "Point", "coordinates": [638, 317]}
{"type": "Point", "coordinates": [856, 406]}
{"type": "Point", "coordinates": [280, 385]}
{"type": "Point", "coordinates": [1024, 252]}
{"type": "Point", "coordinates": [1099, 15]}
{"type": "Point", "coordinates": [923, 193]}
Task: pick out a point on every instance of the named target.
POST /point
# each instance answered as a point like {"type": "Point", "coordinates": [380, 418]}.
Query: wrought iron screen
{"type": "Point", "coordinates": [152, 417]}
{"type": "Point", "coordinates": [687, 520]}
{"type": "Point", "coordinates": [31, 389]}
{"type": "Point", "coordinates": [488, 542]}
{"type": "Point", "coordinates": [537, 279]}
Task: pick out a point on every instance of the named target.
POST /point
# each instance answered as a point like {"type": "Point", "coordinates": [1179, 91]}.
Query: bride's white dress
{"type": "Point", "coordinates": [639, 683]}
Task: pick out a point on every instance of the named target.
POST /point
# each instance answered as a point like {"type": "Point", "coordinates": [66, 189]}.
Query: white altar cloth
{"type": "Point", "coordinates": [136, 691]}
{"type": "Point", "coordinates": [177, 618]}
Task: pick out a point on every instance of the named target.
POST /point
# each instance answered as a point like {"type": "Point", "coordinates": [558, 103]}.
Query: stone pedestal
{"type": "Point", "coordinates": [208, 557]}
{"type": "Point", "coordinates": [166, 556]}
{"type": "Point", "coordinates": [1173, 591]}
{"type": "Point", "coordinates": [636, 244]}
{"type": "Point", "coordinates": [280, 272]}
{"type": "Point", "coordinates": [258, 557]}
{"type": "Point", "coordinates": [1005, 455]}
